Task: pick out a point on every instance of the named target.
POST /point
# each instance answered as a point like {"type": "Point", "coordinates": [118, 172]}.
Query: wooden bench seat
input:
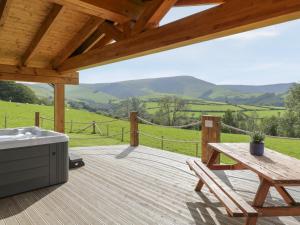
{"type": "Point", "coordinates": [234, 204]}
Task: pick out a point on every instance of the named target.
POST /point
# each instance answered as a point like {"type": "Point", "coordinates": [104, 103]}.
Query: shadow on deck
{"type": "Point", "coordinates": [124, 185]}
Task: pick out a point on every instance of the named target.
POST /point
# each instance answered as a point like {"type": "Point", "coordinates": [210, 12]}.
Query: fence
{"type": "Point", "coordinates": [130, 132]}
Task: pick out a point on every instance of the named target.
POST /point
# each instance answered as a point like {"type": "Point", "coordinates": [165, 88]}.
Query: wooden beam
{"type": "Point", "coordinates": [112, 31]}
{"type": "Point", "coordinates": [42, 33]}
{"type": "Point", "coordinates": [153, 13]}
{"type": "Point", "coordinates": [229, 18]}
{"type": "Point", "coordinates": [197, 2]}
{"type": "Point", "coordinates": [59, 108]}
{"type": "Point", "coordinates": [90, 42]}
{"type": "Point", "coordinates": [278, 211]}
{"type": "Point", "coordinates": [30, 74]}
{"type": "Point", "coordinates": [115, 10]}
{"type": "Point", "coordinates": [103, 42]}
{"type": "Point", "coordinates": [92, 24]}
{"type": "Point", "coordinates": [4, 8]}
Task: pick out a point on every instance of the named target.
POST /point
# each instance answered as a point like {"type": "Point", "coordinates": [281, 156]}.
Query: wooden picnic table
{"type": "Point", "coordinates": [273, 169]}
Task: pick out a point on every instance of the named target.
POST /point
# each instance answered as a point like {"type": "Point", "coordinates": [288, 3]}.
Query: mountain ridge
{"type": "Point", "coordinates": [188, 86]}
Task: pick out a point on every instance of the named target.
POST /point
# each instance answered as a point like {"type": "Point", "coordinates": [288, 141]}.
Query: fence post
{"type": "Point", "coordinates": [162, 142]}
{"type": "Point", "coordinates": [211, 133]}
{"type": "Point", "coordinates": [134, 129]}
{"type": "Point", "coordinates": [94, 127]}
{"type": "Point", "coordinates": [71, 126]}
{"type": "Point", "coordinates": [5, 120]}
{"type": "Point", "coordinates": [107, 130]}
{"type": "Point", "coordinates": [37, 119]}
{"type": "Point", "coordinates": [122, 135]}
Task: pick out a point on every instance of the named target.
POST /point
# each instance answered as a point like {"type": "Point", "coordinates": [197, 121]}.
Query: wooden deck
{"type": "Point", "coordinates": [122, 185]}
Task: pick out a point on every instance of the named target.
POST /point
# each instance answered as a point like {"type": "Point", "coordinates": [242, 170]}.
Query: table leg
{"type": "Point", "coordinates": [199, 186]}
{"type": "Point", "coordinates": [213, 157]}
{"type": "Point", "coordinates": [259, 199]}
{"type": "Point", "coordinates": [285, 195]}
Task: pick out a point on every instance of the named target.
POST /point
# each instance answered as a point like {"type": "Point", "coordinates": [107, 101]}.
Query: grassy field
{"type": "Point", "coordinates": [19, 115]}
{"type": "Point", "coordinates": [218, 109]}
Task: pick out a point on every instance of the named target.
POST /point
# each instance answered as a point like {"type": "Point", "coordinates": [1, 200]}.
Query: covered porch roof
{"type": "Point", "coordinates": [48, 41]}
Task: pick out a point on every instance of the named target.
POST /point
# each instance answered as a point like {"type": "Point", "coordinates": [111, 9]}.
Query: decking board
{"type": "Point", "coordinates": [121, 185]}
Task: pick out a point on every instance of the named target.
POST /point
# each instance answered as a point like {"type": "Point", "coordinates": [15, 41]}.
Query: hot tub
{"type": "Point", "coordinates": [32, 158]}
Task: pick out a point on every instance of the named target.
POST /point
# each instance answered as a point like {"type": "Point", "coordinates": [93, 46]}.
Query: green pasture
{"type": "Point", "coordinates": [20, 115]}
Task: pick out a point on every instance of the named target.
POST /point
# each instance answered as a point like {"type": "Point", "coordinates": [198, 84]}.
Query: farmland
{"type": "Point", "coordinates": [195, 108]}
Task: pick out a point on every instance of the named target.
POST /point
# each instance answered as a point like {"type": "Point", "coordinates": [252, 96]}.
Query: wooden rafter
{"type": "Point", "coordinates": [115, 10]}
{"type": "Point", "coordinates": [4, 7]}
{"type": "Point", "coordinates": [153, 13]}
{"type": "Point", "coordinates": [197, 2]}
{"type": "Point", "coordinates": [92, 24]}
{"type": "Point", "coordinates": [90, 42]}
{"type": "Point", "coordinates": [232, 17]}
{"type": "Point", "coordinates": [30, 74]}
{"type": "Point", "coordinates": [112, 31]}
{"type": "Point", "coordinates": [102, 42]}
{"type": "Point", "coordinates": [42, 33]}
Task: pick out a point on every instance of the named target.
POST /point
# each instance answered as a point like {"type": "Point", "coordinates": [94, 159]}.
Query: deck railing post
{"type": "Point", "coordinates": [37, 119]}
{"type": "Point", "coordinates": [211, 133]}
{"type": "Point", "coordinates": [134, 129]}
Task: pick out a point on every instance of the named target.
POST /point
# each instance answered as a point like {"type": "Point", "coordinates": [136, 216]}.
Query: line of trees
{"type": "Point", "coordinates": [286, 124]}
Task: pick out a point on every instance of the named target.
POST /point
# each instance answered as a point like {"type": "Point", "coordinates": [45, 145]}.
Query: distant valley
{"type": "Point", "coordinates": [184, 86]}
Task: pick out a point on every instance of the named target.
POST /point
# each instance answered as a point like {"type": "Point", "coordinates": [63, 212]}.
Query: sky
{"type": "Point", "coordinates": [265, 56]}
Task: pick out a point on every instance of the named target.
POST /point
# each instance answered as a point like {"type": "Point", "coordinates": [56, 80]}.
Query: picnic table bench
{"type": "Point", "coordinates": [273, 169]}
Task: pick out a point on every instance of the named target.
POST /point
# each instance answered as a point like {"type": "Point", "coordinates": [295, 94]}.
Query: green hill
{"type": "Point", "coordinates": [20, 115]}
{"type": "Point", "coordinates": [187, 86]}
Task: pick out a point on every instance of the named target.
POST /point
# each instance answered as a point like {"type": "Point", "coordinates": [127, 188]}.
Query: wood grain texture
{"type": "Point", "coordinates": [115, 10]}
{"type": "Point", "coordinates": [4, 9]}
{"type": "Point", "coordinates": [210, 135]}
{"type": "Point", "coordinates": [134, 129]}
{"type": "Point", "coordinates": [42, 33]}
{"type": "Point", "coordinates": [197, 2]}
{"type": "Point", "coordinates": [39, 75]}
{"type": "Point", "coordinates": [272, 166]}
{"type": "Point", "coordinates": [123, 186]}
{"type": "Point", "coordinates": [59, 108]}
{"type": "Point", "coordinates": [153, 13]}
{"type": "Point", "coordinates": [92, 24]}
{"type": "Point", "coordinates": [229, 18]}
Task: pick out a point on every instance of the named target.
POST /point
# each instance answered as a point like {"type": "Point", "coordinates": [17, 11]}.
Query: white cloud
{"type": "Point", "coordinates": [253, 35]}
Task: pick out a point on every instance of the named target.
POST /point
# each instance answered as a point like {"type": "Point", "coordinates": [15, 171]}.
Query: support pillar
{"type": "Point", "coordinates": [211, 133]}
{"type": "Point", "coordinates": [59, 108]}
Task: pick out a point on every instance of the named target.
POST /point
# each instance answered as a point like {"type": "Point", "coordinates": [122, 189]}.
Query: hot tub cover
{"type": "Point", "coordinates": [29, 136]}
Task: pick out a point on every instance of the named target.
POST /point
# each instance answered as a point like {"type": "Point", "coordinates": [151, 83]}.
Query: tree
{"type": "Point", "coordinates": [12, 91]}
{"type": "Point", "coordinates": [292, 101]}
{"type": "Point", "coordinates": [171, 110]}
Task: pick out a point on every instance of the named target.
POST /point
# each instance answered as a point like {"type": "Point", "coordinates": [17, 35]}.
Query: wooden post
{"type": "Point", "coordinates": [134, 129]}
{"type": "Point", "coordinates": [37, 119]}
{"type": "Point", "coordinates": [59, 108]}
{"type": "Point", "coordinates": [211, 133]}
{"type": "Point", "coordinates": [107, 130]}
{"type": "Point", "coordinates": [122, 135]}
{"type": "Point", "coordinates": [94, 127]}
{"type": "Point", "coordinates": [5, 120]}
{"type": "Point", "coordinates": [71, 126]}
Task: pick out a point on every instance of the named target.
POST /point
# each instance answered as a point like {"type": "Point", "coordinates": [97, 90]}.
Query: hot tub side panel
{"type": "Point", "coordinates": [29, 168]}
